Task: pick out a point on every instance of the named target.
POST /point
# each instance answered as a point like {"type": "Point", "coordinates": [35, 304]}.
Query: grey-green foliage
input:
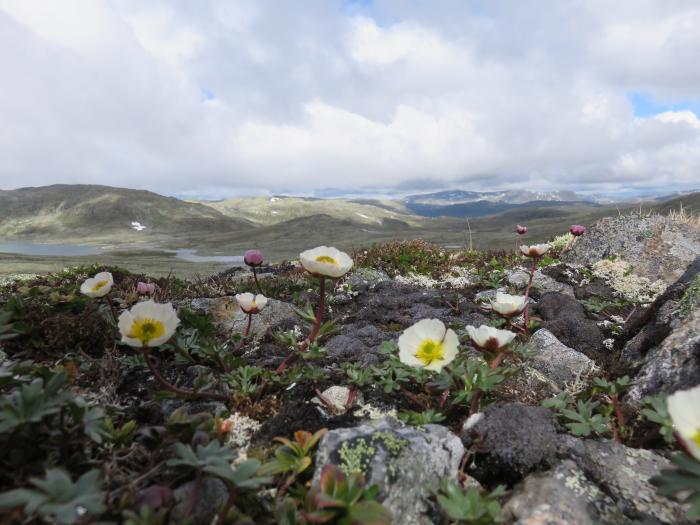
{"type": "Point", "coordinates": [470, 506]}
{"type": "Point", "coordinates": [216, 460]}
{"type": "Point", "coordinates": [46, 397]}
{"type": "Point", "coordinates": [682, 483]}
{"type": "Point", "coordinates": [656, 410]}
{"type": "Point", "coordinates": [57, 498]}
{"type": "Point", "coordinates": [581, 416]}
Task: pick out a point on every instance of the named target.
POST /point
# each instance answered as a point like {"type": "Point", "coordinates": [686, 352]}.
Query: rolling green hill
{"type": "Point", "coordinates": [89, 212]}
{"type": "Point", "coordinates": [280, 226]}
{"type": "Point", "coordinates": [275, 210]}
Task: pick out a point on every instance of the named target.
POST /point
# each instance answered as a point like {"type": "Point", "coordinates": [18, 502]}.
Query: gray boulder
{"type": "Point", "coordinates": [559, 363]}
{"type": "Point", "coordinates": [673, 365]}
{"type": "Point", "coordinates": [657, 246]}
{"type": "Point", "coordinates": [562, 496]}
{"type": "Point", "coordinates": [623, 474]}
{"type": "Point", "coordinates": [407, 463]}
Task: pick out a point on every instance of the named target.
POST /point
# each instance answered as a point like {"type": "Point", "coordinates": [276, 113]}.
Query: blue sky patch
{"type": "Point", "coordinates": [647, 106]}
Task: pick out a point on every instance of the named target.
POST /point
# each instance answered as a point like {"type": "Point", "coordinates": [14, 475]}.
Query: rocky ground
{"type": "Point", "coordinates": [571, 428]}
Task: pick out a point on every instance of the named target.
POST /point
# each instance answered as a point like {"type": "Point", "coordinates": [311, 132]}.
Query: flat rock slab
{"type": "Point", "coordinates": [562, 496]}
{"type": "Point", "coordinates": [623, 474]}
{"type": "Point", "coordinates": [228, 317]}
{"type": "Point", "coordinates": [559, 363]}
{"type": "Point", "coordinates": [544, 283]}
{"type": "Point", "coordinates": [407, 463]}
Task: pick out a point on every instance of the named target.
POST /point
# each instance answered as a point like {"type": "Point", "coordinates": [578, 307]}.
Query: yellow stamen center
{"type": "Point", "coordinates": [430, 350]}
{"type": "Point", "coordinates": [326, 259]}
{"type": "Point", "coordinates": [99, 285]}
{"type": "Point", "coordinates": [146, 330]}
{"type": "Point", "coordinates": [696, 438]}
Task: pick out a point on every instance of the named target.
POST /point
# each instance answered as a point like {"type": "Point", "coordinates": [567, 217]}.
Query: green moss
{"type": "Point", "coordinates": [691, 298]}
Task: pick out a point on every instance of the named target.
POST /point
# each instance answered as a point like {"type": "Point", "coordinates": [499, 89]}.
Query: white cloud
{"type": "Point", "coordinates": [180, 97]}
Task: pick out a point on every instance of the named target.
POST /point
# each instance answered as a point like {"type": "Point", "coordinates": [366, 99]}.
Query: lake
{"type": "Point", "coordinates": [69, 250]}
{"type": "Point", "coordinates": [59, 250]}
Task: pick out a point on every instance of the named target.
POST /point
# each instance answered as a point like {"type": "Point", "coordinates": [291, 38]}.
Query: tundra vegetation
{"type": "Point", "coordinates": [122, 401]}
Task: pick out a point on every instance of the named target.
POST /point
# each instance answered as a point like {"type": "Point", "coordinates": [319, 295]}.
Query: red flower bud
{"type": "Point", "coordinates": [253, 257]}
{"type": "Point", "coordinates": [577, 230]}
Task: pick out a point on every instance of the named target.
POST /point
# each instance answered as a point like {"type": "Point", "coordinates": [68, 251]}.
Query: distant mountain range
{"type": "Point", "coordinates": [125, 218]}
{"type": "Point", "coordinates": [450, 197]}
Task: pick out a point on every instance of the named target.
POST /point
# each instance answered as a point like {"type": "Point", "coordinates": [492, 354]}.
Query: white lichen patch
{"type": "Point", "coordinates": [369, 411]}
{"type": "Point", "coordinates": [455, 277]}
{"type": "Point", "coordinates": [240, 430]}
{"type": "Point", "coordinates": [620, 276]}
{"type": "Point", "coordinates": [560, 242]}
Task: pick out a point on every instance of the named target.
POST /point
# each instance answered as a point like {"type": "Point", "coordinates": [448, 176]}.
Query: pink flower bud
{"type": "Point", "coordinates": [520, 230]}
{"type": "Point", "coordinates": [145, 288]}
{"type": "Point", "coordinates": [253, 257]}
{"type": "Point", "coordinates": [577, 230]}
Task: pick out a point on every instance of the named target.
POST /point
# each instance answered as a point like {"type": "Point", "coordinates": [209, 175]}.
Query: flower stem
{"type": "Point", "coordinates": [239, 347]}
{"type": "Point", "coordinates": [257, 283]}
{"type": "Point", "coordinates": [110, 304]}
{"type": "Point", "coordinates": [315, 329]}
{"type": "Point", "coordinates": [476, 397]}
{"type": "Point", "coordinates": [167, 385]}
{"type": "Point", "coordinates": [527, 291]}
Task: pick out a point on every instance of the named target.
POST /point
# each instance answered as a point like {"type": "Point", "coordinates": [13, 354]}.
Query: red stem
{"type": "Point", "coordinates": [257, 283]}
{"type": "Point", "coordinates": [474, 407]}
{"type": "Point", "coordinates": [244, 339]}
{"type": "Point", "coordinates": [527, 291]}
{"type": "Point", "coordinates": [314, 329]}
{"type": "Point", "coordinates": [172, 388]}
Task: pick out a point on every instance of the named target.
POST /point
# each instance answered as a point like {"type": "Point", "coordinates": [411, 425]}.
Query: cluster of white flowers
{"type": "Point", "coordinates": [429, 344]}
{"type": "Point", "coordinates": [455, 277]}
{"type": "Point", "coordinates": [619, 275]}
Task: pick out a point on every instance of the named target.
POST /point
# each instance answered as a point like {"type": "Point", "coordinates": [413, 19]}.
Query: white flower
{"type": "Point", "coordinates": [535, 250]}
{"type": "Point", "coordinates": [428, 344]}
{"type": "Point", "coordinates": [685, 414]}
{"type": "Point", "coordinates": [326, 262]}
{"type": "Point", "coordinates": [489, 338]}
{"type": "Point", "coordinates": [508, 305]}
{"type": "Point", "coordinates": [148, 324]}
{"type": "Point", "coordinates": [472, 421]}
{"type": "Point", "coordinates": [251, 304]}
{"type": "Point", "coordinates": [98, 286]}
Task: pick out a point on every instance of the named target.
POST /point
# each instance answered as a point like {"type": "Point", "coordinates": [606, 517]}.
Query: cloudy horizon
{"type": "Point", "coordinates": [215, 99]}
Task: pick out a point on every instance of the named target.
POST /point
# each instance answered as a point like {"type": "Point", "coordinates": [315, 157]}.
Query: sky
{"type": "Point", "coordinates": [212, 99]}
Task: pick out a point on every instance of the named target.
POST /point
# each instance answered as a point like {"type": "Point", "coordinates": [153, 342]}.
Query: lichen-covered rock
{"type": "Point", "coordinates": [228, 317]}
{"type": "Point", "coordinates": [566, 318]}
{"type": "Point", "coordinates": [366, 278]}
{"type": "Point", "coordinates": [540, 281]}
{"type": "Point", "coordinates": [562, 496]}
{"type": "Point", "coordinates": [673, 365]}
{"type": "Point", "coordinates": [407, 463]}
{"type": "Point", "coordinates": [657, 247]}
{"type": "Point", "coordinates": [565, 366]}
{"type": "Point", "coordinates": [512, 440]}
{"type": "Point", "coordinates": [623, 474]}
